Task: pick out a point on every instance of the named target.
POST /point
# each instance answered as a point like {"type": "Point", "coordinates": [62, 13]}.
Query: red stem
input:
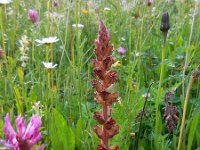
{"type": "Point", "coordinates": [105, 115]}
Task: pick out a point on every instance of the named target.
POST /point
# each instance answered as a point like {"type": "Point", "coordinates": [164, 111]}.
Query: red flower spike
{"type": "Point", "coordinates": [106, 77]}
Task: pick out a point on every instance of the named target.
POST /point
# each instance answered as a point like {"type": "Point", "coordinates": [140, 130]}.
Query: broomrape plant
{"type": "Point", "coordinates": [105, 78]}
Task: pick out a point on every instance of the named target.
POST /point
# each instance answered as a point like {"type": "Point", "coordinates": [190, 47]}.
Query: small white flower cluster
{"type": "Point", "coordinates": [3, 2]}
{"type": "Point", "coordinates": [24, 42]}
{"type": "Point", "coordinates": [77, 25]}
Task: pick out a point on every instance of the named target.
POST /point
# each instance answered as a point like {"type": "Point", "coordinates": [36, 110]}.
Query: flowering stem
{"type": "Point", "coordinates": [47, 102]}
{"type": "Point", "coordinates": [184, 111]}
{"type": "Point", "coordinates": [47, 52]}
{"type": "Point", "coordinates": [159, 93]}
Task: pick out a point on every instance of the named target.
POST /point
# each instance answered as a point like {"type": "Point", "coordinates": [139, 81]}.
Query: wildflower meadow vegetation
{"type": "Point", "coordinates": [100, 74]}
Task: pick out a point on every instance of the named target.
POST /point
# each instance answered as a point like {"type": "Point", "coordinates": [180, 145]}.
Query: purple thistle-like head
{"type": "Point", "coordinates": [121, 50]}
{"type": "Point", "coordinates": [33, 15]}
{"type": "Point", "coordinates": [26, 136]}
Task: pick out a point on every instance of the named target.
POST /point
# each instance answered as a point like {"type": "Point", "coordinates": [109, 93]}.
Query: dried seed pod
{"type": "Point", "coordinates": [196, 72]}
{"type": "Point", "coordinates": [171, 117]}
{"type": "Point", "coordinates": [171, 112]}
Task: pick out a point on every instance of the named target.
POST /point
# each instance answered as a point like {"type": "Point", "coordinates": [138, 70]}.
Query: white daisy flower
{"type": "Point", "coordinates": [5, 1]}
{"type": "Point", "coordinates": [49, 65]}
{"type": "Point", "coordinates": [77, 25]}
{"type": "Point", "coordinates": [47, 40]}
{"type": "Point", "coordinates": [106, 9]}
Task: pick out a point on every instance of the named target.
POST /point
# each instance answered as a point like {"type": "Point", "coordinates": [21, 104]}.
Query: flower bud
{"type": "Point", "coordinates": [164, 24]}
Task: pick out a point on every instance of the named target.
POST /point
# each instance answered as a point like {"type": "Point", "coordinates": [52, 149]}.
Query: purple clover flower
{"type": "Point", "coordinates": [26, 136]}
{"type": "Point", "coordinates": [33, 15]}
{"type": "Point", "coordinates": [121, 50]}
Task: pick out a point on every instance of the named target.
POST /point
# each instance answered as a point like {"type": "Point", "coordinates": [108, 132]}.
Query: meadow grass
{"type": "Point", "coordinates": [65, 92]}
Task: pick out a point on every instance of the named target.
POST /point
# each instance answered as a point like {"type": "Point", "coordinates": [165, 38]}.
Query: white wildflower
{"type": "Point", "coordinates": [5, 1]}
{"type": "Point", "coordinates": [24, 42]}
{"type": "Point", "coordinates": [106, 9]}
{"type": "Point", "coordinates": [47, 40]}
{"type": "Point", "coordinates": [49, 65]}
{"type": "Point", "coordinates": [77, 25]}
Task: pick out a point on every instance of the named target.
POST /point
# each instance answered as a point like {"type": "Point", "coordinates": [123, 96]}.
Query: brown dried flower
{"type": "Point", "coordinates": [196, 72]}
{"type": "Point", "coordinates": [170, 115]}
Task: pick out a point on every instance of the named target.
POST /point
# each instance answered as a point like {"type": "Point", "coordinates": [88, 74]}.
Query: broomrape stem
{"type": "Point", "coordinates": [105, 139]}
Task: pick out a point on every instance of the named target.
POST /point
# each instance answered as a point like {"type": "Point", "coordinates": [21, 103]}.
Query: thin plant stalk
{"type": "Point", "coordinates": [143, 109]}
{"type": "Point", "coordinates": [159, 93]}
{"type": "Point", "coordinates": [47, 52]}
{"type": "Point", "coordinates": [164, 27]}
{"type": "Point", "coordinates": [2, 26]}
{"type": "Point", "coordinates": [184, 110]}
{"type": "Point", "coordinates": [187, 50]}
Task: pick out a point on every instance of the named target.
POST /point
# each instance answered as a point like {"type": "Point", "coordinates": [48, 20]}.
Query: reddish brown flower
{"type": "Point", "coordinates": [97, 116]}
{"type": "Point", "coordinates": [105, 78]}
{"type": "Point", "coordinates": [171, 112]}
{"type": "Point", "coordinates": [98, 131]}
{"type": "Point", "coordinates": [97, 85]}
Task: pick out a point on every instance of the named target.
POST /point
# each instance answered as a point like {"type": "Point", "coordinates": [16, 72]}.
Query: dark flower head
{"type": "Point", "coordinates": [150, 2]}
{"type": "Point", "coordinates": [55, 4]}
{"type": "Point", "coordinates": [164, 24]}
